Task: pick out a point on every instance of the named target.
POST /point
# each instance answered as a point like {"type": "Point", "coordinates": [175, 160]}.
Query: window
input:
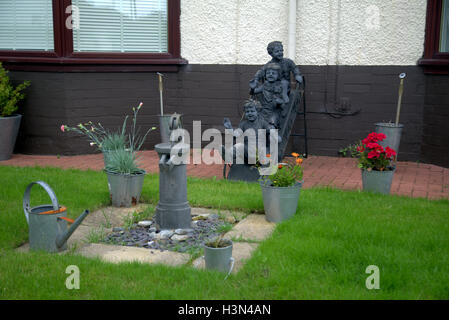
{"type": "Point", "coordinates": [90, 35]}
{"type": "Point", "coordinates": [121, 26]}
{"type": "Point", "coordinates": [436, 48]}
{"type": "Point", "coordinates": [26, 25]}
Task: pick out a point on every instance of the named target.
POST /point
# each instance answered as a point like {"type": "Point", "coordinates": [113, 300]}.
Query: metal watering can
{"type": "Point", "coordinates": [48, 223]}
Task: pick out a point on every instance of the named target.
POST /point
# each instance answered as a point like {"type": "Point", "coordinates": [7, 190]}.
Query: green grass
{"type": "Point", "coordinates": [321, 253]}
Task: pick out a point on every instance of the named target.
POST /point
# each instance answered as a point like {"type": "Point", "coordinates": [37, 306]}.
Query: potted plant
{"type": "Point", "coordinates": [9, 120]}
{"type": "Point", "coordinates": [376, 163]}
{"type": "Point", "coordinates": [108, 141]}
{"type": "Point", "coordinates": [125, 178]}
{"type": "Point", "coordinates": [218, 252]}
{"type": "Point", "coordinates": [280, 190]}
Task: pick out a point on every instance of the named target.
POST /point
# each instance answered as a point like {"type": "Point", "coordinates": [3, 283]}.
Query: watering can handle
{"type": "Point", "coordinates": [26, 197]}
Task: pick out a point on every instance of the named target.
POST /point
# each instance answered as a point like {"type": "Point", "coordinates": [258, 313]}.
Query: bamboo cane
{"type": "Point", "coordinates": [161, 88]}
{"type": "Point", "coordinates": [401, 90]}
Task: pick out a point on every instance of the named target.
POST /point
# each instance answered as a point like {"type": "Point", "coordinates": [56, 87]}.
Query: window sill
{"type": "Point", "coordinates": [90, 64]}
{"type": "Point", "coordinates": [435, 65]}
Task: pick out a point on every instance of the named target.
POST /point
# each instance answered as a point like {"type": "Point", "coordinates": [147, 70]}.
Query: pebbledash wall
{"type": "Point", "coordinates": [347, 50]}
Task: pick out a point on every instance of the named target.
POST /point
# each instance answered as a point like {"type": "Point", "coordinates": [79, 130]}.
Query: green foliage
{"type": "Point", "coordinates": [351, 150]}
{"type": "Point", "coordinates": [287, 174]}
{"type": "Point", "coordinates": [114, 141]}
{"type": "Point", "coordinates": [123, 161]}
{"type": "Point", "coordinates": [9, 96]}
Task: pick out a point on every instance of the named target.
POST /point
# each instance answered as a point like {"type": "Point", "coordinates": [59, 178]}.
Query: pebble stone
{"type": "Point", "coordinates": [145, 223]}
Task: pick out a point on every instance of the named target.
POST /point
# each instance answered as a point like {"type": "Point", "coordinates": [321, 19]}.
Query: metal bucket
{"type": "Point", "coordinates": [377, 181]}
{"type": "Point", "coordinates": [393, 134]}
{"type": "Point", "coordinates": [219, 258]}
{"type": "Point", "coordinates": [125, 189]}
{"type": "Point", "coordinates": [280, 203]}
{"type": "Point", "coordinates": [44, 225]}
{"type": "Point", "coordinates": [9, 128]}
{"type": "Point", "coordinates": [164, 126]}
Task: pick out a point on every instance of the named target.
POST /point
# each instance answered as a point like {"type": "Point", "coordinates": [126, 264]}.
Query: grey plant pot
{"type": "Point", "coordinates": [164, 128]}
{"type": "Point", "coordinates": [280, 203]}
{"type": "Point", "coordinates": [9, 128]}
{"type": "Point", "coordinates": [125, 189]}
{"type": "Point", "coordinates": [393, 134]}
{"type": "Point", "coordinates": [377, 181]}
{"type": "Point", "coordinates": [219, 258]}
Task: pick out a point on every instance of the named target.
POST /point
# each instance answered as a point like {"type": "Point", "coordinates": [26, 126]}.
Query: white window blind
{"type": "Point", "coordinates": [121, 26]}
{"type": "Point", "coordinates": [26, 25]}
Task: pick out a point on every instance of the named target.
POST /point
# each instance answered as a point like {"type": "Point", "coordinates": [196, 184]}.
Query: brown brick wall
{"type": "Point", "coordinates": [211, 92]}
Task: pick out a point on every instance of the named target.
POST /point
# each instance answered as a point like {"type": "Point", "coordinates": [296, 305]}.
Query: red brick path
{"type": "Point", "coordinates": [411, 179]}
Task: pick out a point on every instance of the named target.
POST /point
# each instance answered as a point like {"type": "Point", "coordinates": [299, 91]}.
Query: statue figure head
{"type": "Point", "coordinates": [276, 50]}
{"type": "Point", "coordinates": [250, 109]}
{"type": "Point", "coordinates": [272, 72]}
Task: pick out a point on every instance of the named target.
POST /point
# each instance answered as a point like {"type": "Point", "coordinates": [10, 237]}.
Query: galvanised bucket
{"type": "Point", "coordinates": [219, 258]}
{"type": "Point", "coordinates": [377, 181]}
{"type": "Point", "coordinates": [165, 126]}
{"type": "Point", "coordinates": [393, 134]}
{"type": "Point", "coordinates": [9, 127]}
{"type": "Point", "coordinates": [125, 189]}
{"type": "Point", "coordinates": [48, 223]}
{"type": "Point", "coordinates": [280, 203]}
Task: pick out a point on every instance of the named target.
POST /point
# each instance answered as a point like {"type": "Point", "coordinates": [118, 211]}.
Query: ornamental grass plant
{"type": "Point", "coordinates": [123, 162]}
{"type": "Point", "coordinates": [372, 156]}
{"type": "Point", "coordinates": [107, 140]}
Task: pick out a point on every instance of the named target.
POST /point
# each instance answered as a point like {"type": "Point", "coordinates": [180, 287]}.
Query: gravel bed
{"type": "Point", "coordinates": [146, 234]}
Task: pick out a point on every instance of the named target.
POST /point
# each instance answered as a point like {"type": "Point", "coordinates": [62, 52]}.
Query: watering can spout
{"type": "Point", "coordinates": [62, 238]}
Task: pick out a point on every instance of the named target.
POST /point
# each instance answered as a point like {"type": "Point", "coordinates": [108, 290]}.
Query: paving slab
{"type": "Point", "coordinates": [241, 251]}
{"type": "Point", "coordinates": [254, 227]}
{"type": "Point", "coordinates": [117, 254]}
{"type": "Point", "coordinates": [229, 215]}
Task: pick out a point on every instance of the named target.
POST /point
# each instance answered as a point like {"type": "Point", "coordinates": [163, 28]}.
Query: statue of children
{"type": "Point", "coordinates": [276, 51]}
{"type": "Point", "coordinates": [252, 121]}
{"type": "Point", "coordinates": [273, 97]}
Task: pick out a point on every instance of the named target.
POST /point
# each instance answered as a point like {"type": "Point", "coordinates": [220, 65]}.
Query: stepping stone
{"type": "Point", "coordinates": [111, 216]}
{"type": "Point", "coordinates": [253, 227]}
{"type": "Point", "coordinates": [117, 254]}
{"type": "Point", "coordinates": [241, 251]}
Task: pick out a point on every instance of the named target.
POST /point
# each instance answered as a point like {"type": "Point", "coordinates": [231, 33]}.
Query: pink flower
{"type": "Point", "coordinates": [62, 128]}
{"type": "Point", "coordinates": [140, 105]}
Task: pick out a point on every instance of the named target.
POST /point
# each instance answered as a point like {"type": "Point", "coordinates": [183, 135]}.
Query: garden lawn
{"type": "Point", "coordinates": [321, 253]}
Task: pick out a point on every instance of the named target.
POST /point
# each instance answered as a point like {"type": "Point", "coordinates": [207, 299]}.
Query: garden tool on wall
{"type": "Point", "coordinates": [163, 119]}
{"type": "Point", "coordinates": [48, 223]}
{"type": "Point", "coordinates": [401, 90]}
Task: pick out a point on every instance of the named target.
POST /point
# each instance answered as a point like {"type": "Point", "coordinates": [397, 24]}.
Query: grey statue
{"type": "Point", "coordinates": [287, 66]}
{"type": "Point", "coordinates": [252, 120]}
{"type": "Point", "coordinates": [272, 96]}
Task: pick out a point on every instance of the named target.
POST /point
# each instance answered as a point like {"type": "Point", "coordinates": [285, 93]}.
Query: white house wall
{"type": "Point", "coordinates": [342, 32]}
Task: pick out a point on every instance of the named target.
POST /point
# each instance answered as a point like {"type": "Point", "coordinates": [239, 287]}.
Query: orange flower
{"type": "Point", "coordinates": [280, 166]}
{"type": "Point", "coordinates": [268, 155]}
{"type": "Point", "coordinates": [295, 154]}
{"type": "Point", "coordinates": [298, 160]}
